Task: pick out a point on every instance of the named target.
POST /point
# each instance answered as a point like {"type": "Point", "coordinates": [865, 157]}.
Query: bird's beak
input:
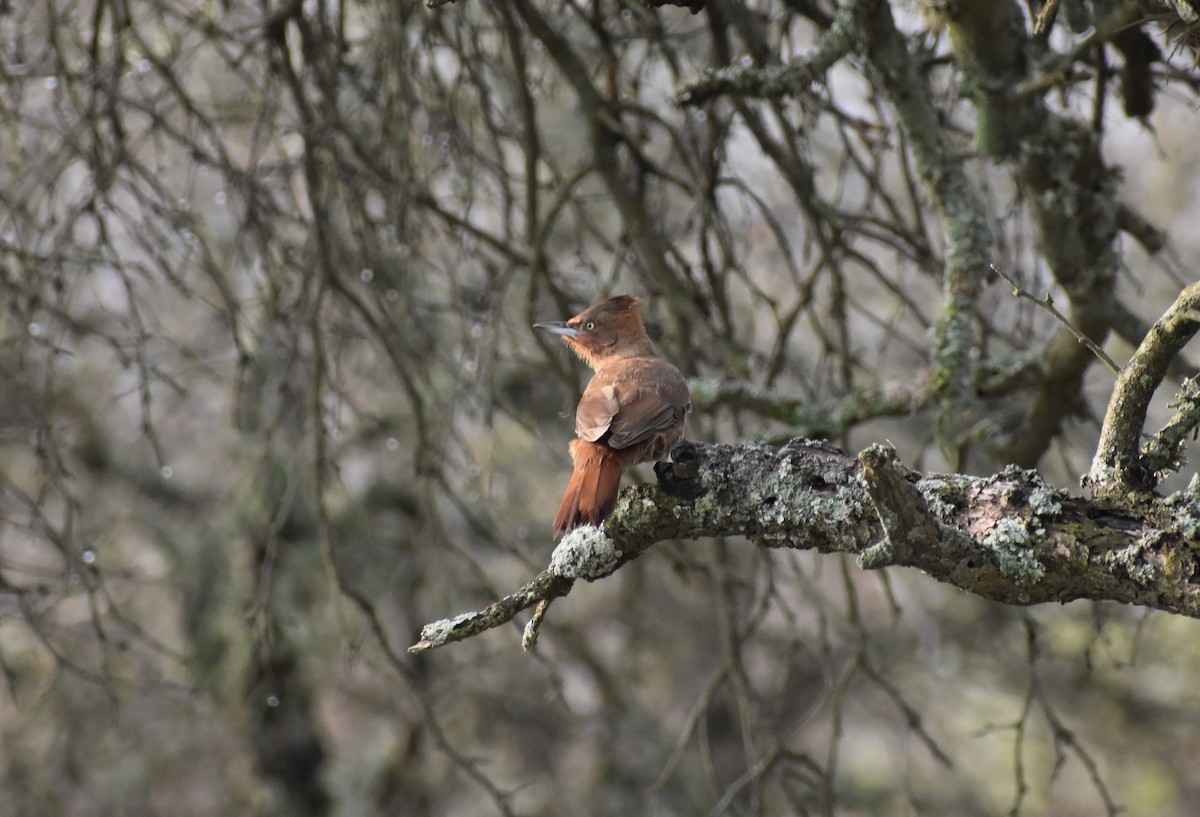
{"type": "Point", "coordinates": [557, 328]}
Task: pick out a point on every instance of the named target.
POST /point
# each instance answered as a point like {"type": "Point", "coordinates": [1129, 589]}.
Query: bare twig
{"type": "Point", "coordinates": [1045, 17]}
{"type": "Point", "coordinates": [1047, 303]}
{"type": "Point", "coordinates": [533, 628]}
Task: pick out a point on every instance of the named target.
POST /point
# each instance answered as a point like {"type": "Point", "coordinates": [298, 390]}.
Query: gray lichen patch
{"type": "Point", "coordinates": [585, 553]}
{"type": "Point", "coordinates": [941, 492]}
{"type": "Point", "coordinates": [1009, 544]}
{"type": "Point", "coordinates": [437, 632]}
{"type": "Point", "coordinates": [1131, 560]}
{"type": "Point", "coordinates": [1044, 501]}
{"type": "Point", "coordinates": [1184, 508]}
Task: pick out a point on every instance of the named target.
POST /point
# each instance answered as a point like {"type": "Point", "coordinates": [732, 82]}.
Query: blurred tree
{"type": "Point", "coordinates": [270, 401]}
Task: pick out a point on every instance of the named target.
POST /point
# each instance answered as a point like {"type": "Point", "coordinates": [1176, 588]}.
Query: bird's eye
{"type": "Point", "coordinates": [590, 325]}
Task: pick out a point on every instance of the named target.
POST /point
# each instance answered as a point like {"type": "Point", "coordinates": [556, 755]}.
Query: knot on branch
{"type": "Point", "coordinates": [680, 476]}
{"type": "Point", "coordinates": [903, 512]}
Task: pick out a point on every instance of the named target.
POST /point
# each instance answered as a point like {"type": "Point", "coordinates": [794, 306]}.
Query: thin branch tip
{"type": "Point", "coordinates": [1046, 302]}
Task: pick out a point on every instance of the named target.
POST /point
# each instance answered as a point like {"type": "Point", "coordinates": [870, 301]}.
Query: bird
{"type": "Point", "coordinates": [633, 410]}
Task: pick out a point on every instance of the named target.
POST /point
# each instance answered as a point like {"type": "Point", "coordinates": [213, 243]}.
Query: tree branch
{"type": "Point", "coordinates": [1118, 466]}
{"type": "Point", "coordinates": [1047, 303]}
{"type": "Point", "coordinates": [545, 586]}
{"type": "Point", "coordinates": [960, 210]}
{"type": "Point", "coordinates": [1164, 451]}
{"type": "Point", "coordinates": [1009, 537]}
{"type": "Point", "coordinates": [793, 79]}
{"type": "Point", "coordinates": [805, 418]}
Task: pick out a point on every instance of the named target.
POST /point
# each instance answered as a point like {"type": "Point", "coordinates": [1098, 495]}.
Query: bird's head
{"type": "Point", "coordinates": [611, 328]}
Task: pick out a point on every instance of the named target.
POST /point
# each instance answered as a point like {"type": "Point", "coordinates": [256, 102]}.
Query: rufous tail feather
{"type": "Point", "coordinates": [592, 492]}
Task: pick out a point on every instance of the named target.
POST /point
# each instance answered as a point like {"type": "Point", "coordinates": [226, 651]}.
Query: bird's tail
{"type": "Point", "coordinates": [592, 492]}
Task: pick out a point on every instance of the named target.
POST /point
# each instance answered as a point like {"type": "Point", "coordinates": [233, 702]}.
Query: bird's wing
{"type": "Point", "coordinates": [597, 408]}
{"type": "Point", "coordinates": [630, 412]}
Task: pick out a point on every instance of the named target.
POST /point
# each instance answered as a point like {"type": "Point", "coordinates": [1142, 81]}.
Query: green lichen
{"type": "Point", "coordinates": [706, 506]}
{"type": "Point", "coordinates": [1043, 501]}
{"type": "Point", "coordinates": [877, 555]}
{"type": "Point", "coordinates": [1009, 543]}
{"type": "Point", "coordinates": [1130, 560]}
{"type": "Point", "coordinates": [1184, 508]}
{"type": "Point", "coordinates": [940, 495]}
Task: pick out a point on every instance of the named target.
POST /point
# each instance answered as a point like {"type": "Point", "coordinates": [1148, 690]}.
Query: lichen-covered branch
{"type": "Point", "coordinates": [1072, 193]}
{"type": "Point", "coordinates": [902, 510]}
{"type": "Point", "coordinates": [804, 417]}
{"type": "Point", "coordinates": [1164, 452]}
{"type": "Point", "coordinates": [1118, 466]}
{"type": "Point", "coordinates": [545, 586]}
{"type": "Point", "coordinates": [1009, 537]}
{"type": "Point", "coordinates": [794, 78]}
{"type": "Point", "coordinates": [960, 210]}
{"type": "Point", "coordinates": [989, 38]}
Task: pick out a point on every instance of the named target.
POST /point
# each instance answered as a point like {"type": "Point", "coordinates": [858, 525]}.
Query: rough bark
{"type": "Point", "coordinates": [1009, 537]}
